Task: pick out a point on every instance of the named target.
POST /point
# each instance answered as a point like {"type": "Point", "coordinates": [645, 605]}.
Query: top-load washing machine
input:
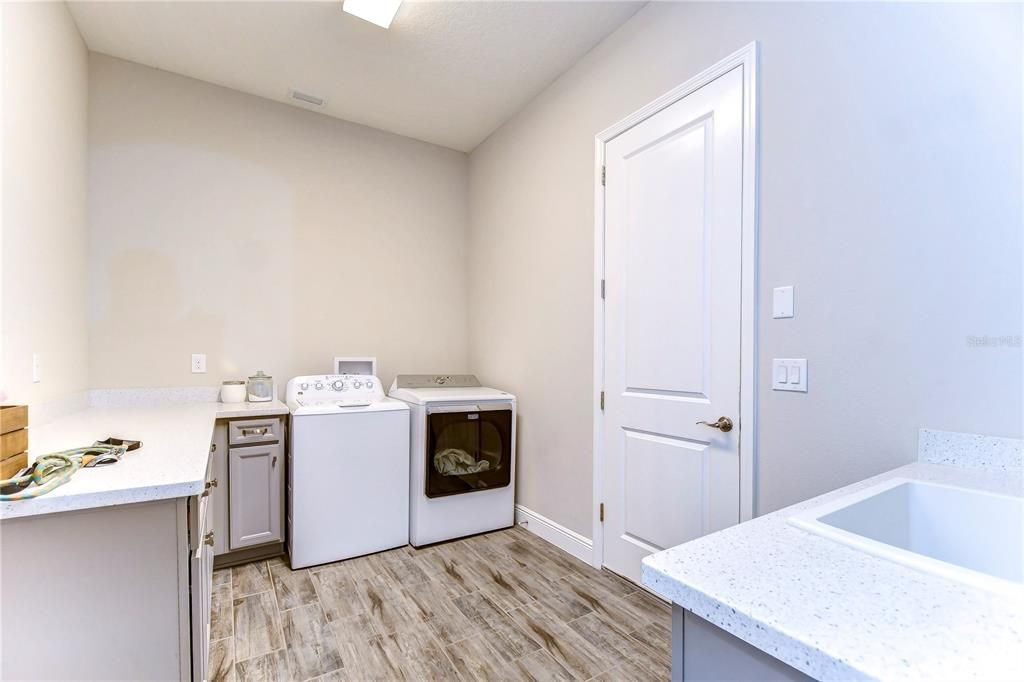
{"type": "Point", "coordinates": [462, 456]}
{"type": "Point", "coordinates": [348, 473]}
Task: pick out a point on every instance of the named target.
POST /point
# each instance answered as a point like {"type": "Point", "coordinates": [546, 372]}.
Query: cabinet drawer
{"type": "Point", "coordinates": [252, 431]}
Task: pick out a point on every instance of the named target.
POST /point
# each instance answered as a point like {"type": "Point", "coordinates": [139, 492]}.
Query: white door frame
{"type": "Point", "coordinates": [745, 58]}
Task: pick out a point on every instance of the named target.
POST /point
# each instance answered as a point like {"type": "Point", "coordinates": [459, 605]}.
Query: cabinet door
{"type": "Point", "coordinates": [255, 483]}
{"type": "Point", "coordinates": [201, 585]}
{"type": "Point", "coordinates": [219, 487]}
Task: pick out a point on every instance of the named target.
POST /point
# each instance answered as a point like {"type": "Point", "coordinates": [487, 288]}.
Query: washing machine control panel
{"type": "Point", "coordinates": [341, 389]}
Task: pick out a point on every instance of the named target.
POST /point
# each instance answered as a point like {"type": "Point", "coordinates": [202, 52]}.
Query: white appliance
{"type": "Point", "coordinates": [351, 365]}
{"type": "Point", "coordinates": [462, 457]}
{"type": "Point", "coordinates": [348, 473]}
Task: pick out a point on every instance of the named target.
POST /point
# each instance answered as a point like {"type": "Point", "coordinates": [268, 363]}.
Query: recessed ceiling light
{"type": "Point", "coordinates": [380, 12]}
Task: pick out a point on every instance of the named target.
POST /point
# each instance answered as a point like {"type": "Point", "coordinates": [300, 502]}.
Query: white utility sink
{"type": "Point", "coordinates": [970, 536]}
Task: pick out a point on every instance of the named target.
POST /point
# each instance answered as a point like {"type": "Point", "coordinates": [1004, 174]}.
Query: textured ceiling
{"type": "Point", "coordinates": [445, 72]}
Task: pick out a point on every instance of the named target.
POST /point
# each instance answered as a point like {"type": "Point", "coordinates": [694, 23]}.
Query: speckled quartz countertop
{"type": "Point", "coordinates": [837, 613]}
{"type": "Point", "coordinates": [171, 462]}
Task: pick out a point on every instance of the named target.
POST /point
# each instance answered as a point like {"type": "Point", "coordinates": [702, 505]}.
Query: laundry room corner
{"type": "Point", "coordinates": [348, 340]}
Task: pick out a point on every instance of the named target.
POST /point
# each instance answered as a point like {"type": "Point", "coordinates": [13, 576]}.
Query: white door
{"type": "Point", "coordinates": [673, 218]}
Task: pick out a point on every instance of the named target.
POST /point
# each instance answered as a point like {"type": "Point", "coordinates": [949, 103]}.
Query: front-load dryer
{"type": "Point", "coordinates": [462, 456]}
{"type": "Point", "coordinates": [348, 473]}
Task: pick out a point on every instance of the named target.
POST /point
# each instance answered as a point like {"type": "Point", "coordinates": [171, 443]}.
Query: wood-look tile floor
{"type": "Point", "coordinates": [501, 606]}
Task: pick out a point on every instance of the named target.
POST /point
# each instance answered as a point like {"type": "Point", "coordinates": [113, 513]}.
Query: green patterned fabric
{"type": "Point", "coordinates": [55, 469]}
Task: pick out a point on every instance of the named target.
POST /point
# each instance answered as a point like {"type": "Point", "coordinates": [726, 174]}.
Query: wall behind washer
{"type": "Point", "coordinates": [890, 197]}
{"type": "Point", "coordinates": [45, 71]}
{"type": "Point", "coordinates": [266, 236]}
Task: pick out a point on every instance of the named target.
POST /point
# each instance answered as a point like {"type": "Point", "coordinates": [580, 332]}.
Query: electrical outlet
{"type": "Point", "coordinates": [198, 363]}
{"type": "Point", "coordinates": [36, 372]}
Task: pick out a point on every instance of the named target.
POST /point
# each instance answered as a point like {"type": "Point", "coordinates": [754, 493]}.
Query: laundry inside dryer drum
{"type": "Point", "coordinates": [468, 451]}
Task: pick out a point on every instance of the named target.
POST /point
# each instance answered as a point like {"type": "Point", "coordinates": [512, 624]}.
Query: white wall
{"type": "Point", "coordinates": [890, 197]}
{"type": "Point", "coordinates": [265, 236]}
{"type": "Point", "coordinates": [44, 204]}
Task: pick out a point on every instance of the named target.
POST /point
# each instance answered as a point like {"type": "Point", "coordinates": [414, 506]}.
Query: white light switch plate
{"type": "Point", "coordinates": [198, 363]}
{"type": "Point", "coordinates": [782, 302]}
{"type": "Point", "coordinates": [789, 374]}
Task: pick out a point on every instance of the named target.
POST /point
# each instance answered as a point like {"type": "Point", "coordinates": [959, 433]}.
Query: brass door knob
{"type": "Point", "coordinates": [724, 424]}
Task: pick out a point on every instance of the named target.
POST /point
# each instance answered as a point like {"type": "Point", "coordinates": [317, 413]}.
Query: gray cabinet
{"type": "Point", "coordinates": [255, 495]}
{"type": "Point", "coordinates": [247, 497]}
{"type": "Point", "coordinates": [703, 651]}
{"type": "Point", "coordinates": [156, 601]}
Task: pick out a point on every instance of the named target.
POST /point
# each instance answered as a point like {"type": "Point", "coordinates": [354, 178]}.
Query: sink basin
{"type": "Point", "coordinates": [970, 536]}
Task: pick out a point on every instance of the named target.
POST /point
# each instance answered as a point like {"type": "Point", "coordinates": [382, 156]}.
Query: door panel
{"type": "Point", "coordinates": [658, 468]}
{"type": "Point", "coordinates": [665, 265]}
{"type": "Point", "coordinates": [256, 479]}
{"type": "Point", "coordinates": [672, 324]}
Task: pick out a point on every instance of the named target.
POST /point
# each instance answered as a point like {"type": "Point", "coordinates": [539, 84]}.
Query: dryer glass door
{"type": "Point", "coordinates": [468, 449]}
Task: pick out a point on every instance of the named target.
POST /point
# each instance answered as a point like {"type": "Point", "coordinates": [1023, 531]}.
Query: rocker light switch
{"type": "Point", "coordinates": [781, 374]}
{"type": "Point", "coordinates": [789, 374]}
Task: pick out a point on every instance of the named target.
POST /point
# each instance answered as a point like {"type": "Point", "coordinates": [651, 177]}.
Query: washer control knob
{"type": "Point", "coordinates": [304, 386]}
{"type": "Point", "coordinates": [369, 384]}
{"type": "Point", "coordinates": [357, 384]}
{"type": "Point", "coordinates": [338, 385]}
{"type": "Point", "coordinates": [319, 386]}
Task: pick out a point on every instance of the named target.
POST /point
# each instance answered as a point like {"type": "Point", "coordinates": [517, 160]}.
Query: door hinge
{"type": "Point", "coordinates": [602, 400]}
{"type": "Point", "coordinates": [604, 175]}
{"type": "Point", "coordinates": [602, 289]}
{"type": "Point", "coordinates": [601, 512]}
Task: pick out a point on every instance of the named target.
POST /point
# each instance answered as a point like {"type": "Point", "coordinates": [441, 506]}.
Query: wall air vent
{"type": "Point", "coordinates": [306, 99]}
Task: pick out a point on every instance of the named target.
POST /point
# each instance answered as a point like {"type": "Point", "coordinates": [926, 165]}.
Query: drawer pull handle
{"type": "Point", "coordinates": [209, 538]}
{"type": "Point", "coordinates": [262, 431]}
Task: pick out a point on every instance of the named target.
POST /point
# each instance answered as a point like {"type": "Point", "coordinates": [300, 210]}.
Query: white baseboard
{"type": "Point", "coordinates": [561, 537]}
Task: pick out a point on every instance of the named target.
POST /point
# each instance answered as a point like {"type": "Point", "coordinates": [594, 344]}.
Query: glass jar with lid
{"type": "Point", "coordinates": [260, 388]}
